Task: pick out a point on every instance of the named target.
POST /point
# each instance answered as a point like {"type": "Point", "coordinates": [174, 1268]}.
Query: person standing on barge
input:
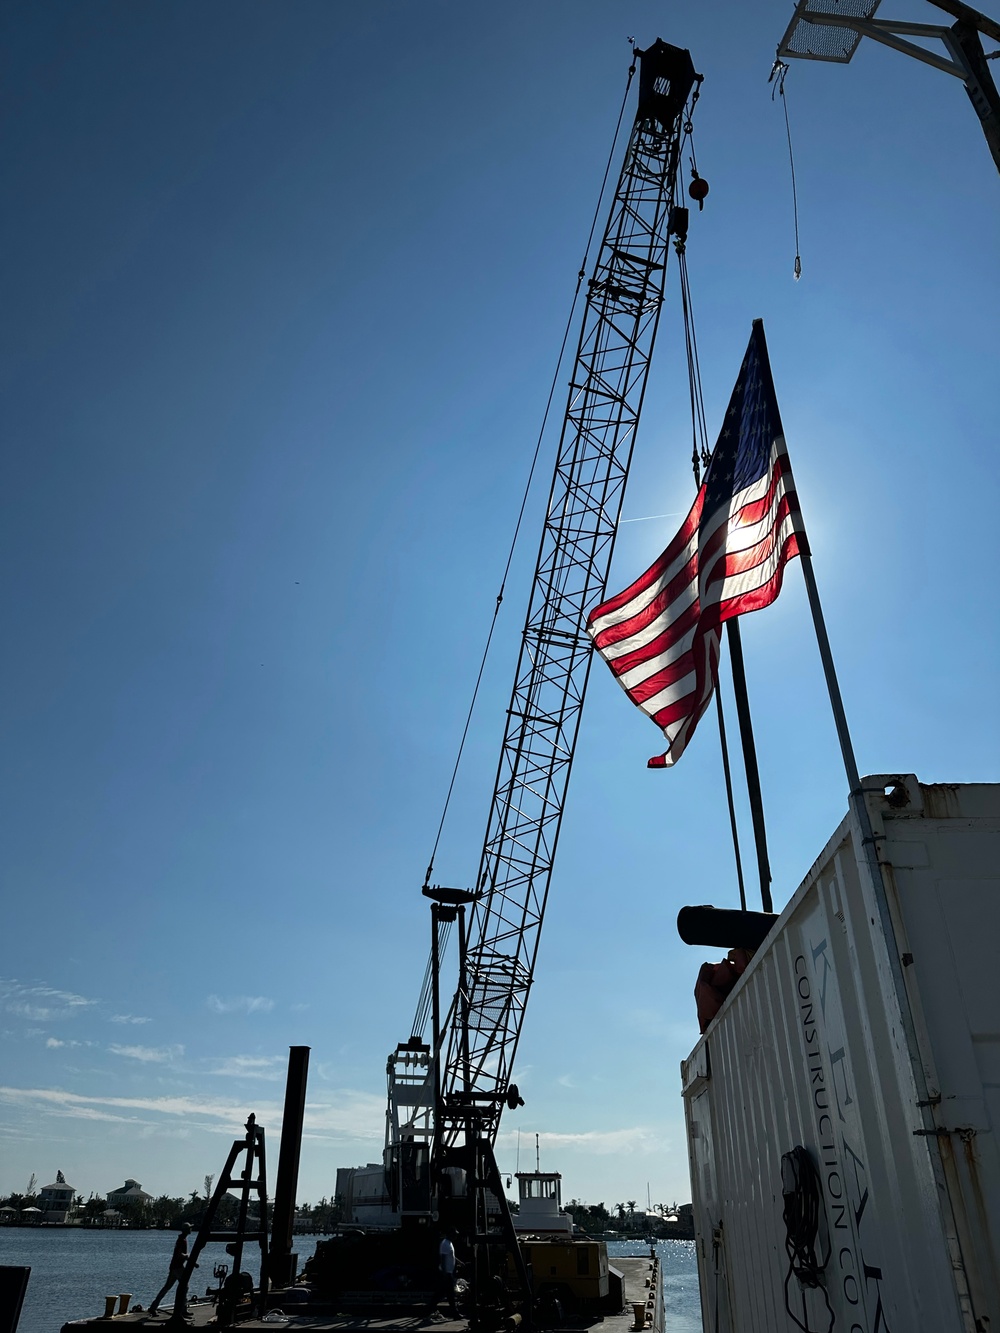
{"type": "Point", "coordinates": [175, 1273]}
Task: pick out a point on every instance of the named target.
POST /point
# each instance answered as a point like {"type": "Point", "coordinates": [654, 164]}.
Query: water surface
{"type": "Point", "coordinates": [679, 1268]}
{"type": "Point", "coordinates": [73, 1269]}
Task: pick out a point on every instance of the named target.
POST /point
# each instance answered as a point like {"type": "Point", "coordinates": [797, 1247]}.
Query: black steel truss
{"type": "Point", "coordinates": [619, 325]}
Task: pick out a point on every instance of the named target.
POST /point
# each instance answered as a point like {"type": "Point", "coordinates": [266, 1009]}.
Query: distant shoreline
{"type": "Point", "coordinates": [669, 1231]}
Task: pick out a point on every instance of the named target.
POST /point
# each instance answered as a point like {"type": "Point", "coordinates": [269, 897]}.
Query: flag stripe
{"type": "Point", "coordinates": [662, 604]}
{"type": "Point", "coordinates": [687, 533]}
{"type": "Point", "coordinates": [666, 648]}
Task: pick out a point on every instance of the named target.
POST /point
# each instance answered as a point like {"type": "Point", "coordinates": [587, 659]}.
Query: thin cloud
{"type": "Point", "coordinates": [36, 1013]}
{"type": "Point", "coordinates": [351, 1116]}
{"type": "Point", "coordinates": [54, 1043]}
{"type": "Point", "coordinates": [94, 1113]}
{"type": "Point", "coordinates": [157, 1055]}
{"type": "Point", "coordinates": [602, 1143]}
{"type": "Point", "coordinates": [248, 1066]}
{"type": "Point", "coordinates": [40, 1003]}
{"type": "Point", "coordinates": [240, 1004]}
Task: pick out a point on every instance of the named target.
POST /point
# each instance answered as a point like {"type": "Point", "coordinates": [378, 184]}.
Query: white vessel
{"type": "Point", "coordinates": [540, 1211]}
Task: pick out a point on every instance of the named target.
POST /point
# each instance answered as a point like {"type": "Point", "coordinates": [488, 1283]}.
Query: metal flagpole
{"type": "Point", "coordinates": [750, 759]}
{"type": "Point", "coordinates": [857, 796]}
{"type": "Point", "coordinates": [930, 1127]}
{"type": "Point", "coordinates": [860, 809]}
{"type": "Point", "coordinates": [832, 684]}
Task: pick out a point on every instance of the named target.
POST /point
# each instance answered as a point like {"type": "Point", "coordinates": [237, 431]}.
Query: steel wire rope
{"type": "Point", "coordinates": [561, 575]}
{"type": "Point", "coordinates": [640, 315]}
{"type": "Point", "coordinates": [778, 72]}
{"type": "Point", "coordinates": [558, 584]}
{"type": "Point", "coordinates": [423, 1002]}
{"type": "Point", "coordinates": [700, 456]}
{"type": "Point", "coordinates": [700, 452]}
{"type": "Point", "coordinates": [579, 279]}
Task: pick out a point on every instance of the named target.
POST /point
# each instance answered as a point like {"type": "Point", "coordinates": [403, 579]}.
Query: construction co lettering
{"type": "Point", "coordinates": [842, 1168]}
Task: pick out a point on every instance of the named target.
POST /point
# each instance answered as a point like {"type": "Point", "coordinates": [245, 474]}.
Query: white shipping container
{"type": "Point", "coordinates": [881, 1057]}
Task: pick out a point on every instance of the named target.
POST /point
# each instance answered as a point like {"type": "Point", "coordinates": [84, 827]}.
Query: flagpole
{"type": "Point", "coordinates": [859, 806]}
{"type": "Point", "coordinates": [857, 796]}
{"type": "Point", "coordinates": [729, 797]}
{"type": "Point", "coordinates": [750, 759]}
{"type": "Point", "coordinates": [833, 689]}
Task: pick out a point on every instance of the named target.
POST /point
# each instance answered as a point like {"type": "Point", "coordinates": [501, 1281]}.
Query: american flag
{"type": "Point", "coordinates": [661, 635]}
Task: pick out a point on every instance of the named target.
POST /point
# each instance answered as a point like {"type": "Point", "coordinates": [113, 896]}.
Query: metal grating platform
{"type": "Point", "coordinates": [825, 41]}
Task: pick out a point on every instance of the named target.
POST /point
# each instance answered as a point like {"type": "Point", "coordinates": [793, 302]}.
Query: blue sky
{"type": "Point", "coordinates": [283, 288]}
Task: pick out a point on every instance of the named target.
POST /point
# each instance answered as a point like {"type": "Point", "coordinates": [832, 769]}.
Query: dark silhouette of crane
{"type": "Point", "coordinates": [446, 1097]}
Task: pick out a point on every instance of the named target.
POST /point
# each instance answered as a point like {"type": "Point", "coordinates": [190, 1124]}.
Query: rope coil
{"type": "Point", "coordinates": [802, 1193]}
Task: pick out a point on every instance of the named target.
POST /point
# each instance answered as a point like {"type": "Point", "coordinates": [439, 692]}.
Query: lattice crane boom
{"type": "Point", "coordinates": [624, 299]}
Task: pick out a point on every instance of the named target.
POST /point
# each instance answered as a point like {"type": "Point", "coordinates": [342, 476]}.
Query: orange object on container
{"type": "Point", "coordinates": [715, 981]}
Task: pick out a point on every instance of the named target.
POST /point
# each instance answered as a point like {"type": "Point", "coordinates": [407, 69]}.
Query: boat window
{"type": "Point", "coordinates": [538, 1189]}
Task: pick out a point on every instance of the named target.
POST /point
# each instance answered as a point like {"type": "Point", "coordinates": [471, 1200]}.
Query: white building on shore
{"type": "Point", "coordinates": [56, 1201]}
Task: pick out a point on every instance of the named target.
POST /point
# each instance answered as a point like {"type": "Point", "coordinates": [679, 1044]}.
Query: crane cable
{"type": "Point", "coordinates": [700, 453]}
{"type": "Point", "coordinates": [424, 1000]}
{"type": "Point", "coordinates": [424, 1003]}
{"type": "Point", "coordinates": [700, 457]}
{"type": "Point", "coordinates": [777, 76]}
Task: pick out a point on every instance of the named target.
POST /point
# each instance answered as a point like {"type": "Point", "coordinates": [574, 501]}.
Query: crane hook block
{"type": "Point", "coordinates": [698, 190]}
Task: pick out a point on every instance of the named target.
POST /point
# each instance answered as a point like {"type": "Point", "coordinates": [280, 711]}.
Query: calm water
{"type": "Point", "coordinates": [680, 1280]}
{"type": "Point", "coordinates": [73, 1270]}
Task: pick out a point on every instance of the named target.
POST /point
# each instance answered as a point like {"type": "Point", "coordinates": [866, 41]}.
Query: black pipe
{"type": "Point", "coordinates": [281, 1261]}
{"type": "Point", "coordinates": [436, 1012]}
{"type": "Point", "coordinates": [750, 759]}
{"type": "Point", "coordinates": [719, 927]}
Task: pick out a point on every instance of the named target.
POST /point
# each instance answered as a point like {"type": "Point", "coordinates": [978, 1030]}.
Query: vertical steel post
{"type": "Point", "coordinates": [859, 806]}
{"type": "Point", "coordinates": [281, 1261]}
{"type": "Point", "coordinates": [463, 998]}
{"type": "Point", "coordinates": [729, 797]}
{"type": "Point", "coordinates": [436, 1004]}
{"type": "Point", "coordinates": [750, 759]}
